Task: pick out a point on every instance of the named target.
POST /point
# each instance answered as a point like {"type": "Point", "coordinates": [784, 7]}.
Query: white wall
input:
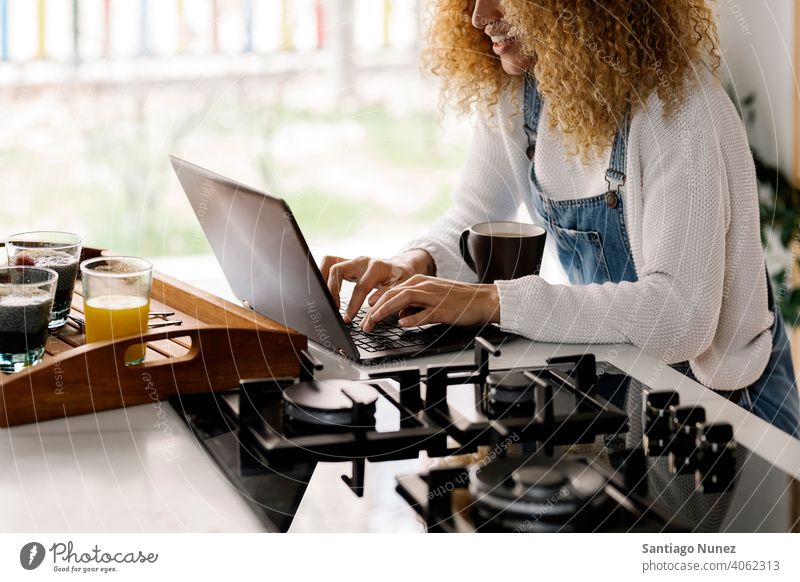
{"type": "Point", "coordinates": [757, 39]}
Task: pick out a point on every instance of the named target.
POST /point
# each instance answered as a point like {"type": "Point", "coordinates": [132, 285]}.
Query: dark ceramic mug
{"type": "Point", "coordinates": [498, 251]}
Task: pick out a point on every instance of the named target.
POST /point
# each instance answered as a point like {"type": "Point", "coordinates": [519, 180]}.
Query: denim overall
{"type": "Point", "coordinates": [593, 247]}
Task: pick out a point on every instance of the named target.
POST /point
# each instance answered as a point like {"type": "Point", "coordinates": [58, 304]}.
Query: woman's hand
{"type": "Point", "coordinates": [421, 299]}
{"type": "Point", "coordinates": [370, 273]}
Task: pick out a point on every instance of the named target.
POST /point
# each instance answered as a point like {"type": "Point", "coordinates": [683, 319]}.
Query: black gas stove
{"type": "Point", "coordinates": [554, 446]}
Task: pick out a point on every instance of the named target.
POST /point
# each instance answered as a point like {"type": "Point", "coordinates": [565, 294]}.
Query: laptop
{"type": "Point", "coordinates": [270, 269]}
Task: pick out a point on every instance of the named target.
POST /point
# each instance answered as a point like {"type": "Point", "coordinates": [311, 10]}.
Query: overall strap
{"type": "Point", "coordinates": [532, 109]}
{"type": "Point", "coordinates": [615, 174]}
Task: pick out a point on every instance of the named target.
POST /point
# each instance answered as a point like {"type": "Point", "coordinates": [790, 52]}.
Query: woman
{"type": "Point", "coordinates": [606, 122]}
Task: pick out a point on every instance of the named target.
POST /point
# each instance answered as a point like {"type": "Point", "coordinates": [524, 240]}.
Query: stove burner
{"type": "Point", "coordinates": [327, 404]}
{"type": "Point", "coordinates": [544, 405]}
{"type": "Point", "coordinates": [537, 495]}
{"type": "Point", "coordinates": [509, 395]}
{"type": "Point", "coordinates": [270, 434]}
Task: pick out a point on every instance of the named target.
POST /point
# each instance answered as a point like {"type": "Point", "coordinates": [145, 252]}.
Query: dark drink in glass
{"type": "Point", "coordinates": [59, 251]}
{"type": "Point", "coordinates": [26, 301]}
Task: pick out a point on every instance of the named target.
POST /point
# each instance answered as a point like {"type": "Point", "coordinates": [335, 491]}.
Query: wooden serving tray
{"type": "Point", "coordinates": [217, 344]}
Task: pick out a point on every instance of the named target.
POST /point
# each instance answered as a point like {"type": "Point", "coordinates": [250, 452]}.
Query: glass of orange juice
{"type": "Point", "coordinates": [116, 300]}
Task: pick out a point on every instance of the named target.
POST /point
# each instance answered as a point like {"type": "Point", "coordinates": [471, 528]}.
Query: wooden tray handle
{"type": "Point", "coordinates": [116, 349]}
{"type": "Point", "coordinates": [94, 377]}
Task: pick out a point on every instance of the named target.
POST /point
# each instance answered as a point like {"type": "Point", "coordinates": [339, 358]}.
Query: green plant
{"type": "Point", "coordinates": [779, 206]}
{"type": "Point", "coordinates": [780, 213]}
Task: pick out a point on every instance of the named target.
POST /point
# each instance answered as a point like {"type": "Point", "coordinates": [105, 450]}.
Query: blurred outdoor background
{"type": "Point", "coordinates": [319, 102]}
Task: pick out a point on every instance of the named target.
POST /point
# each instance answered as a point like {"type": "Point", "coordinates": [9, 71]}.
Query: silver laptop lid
{"type": "Point", "coordinates": [264, 256]}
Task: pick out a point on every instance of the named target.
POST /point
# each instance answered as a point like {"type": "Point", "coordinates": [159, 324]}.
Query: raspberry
{"type": "Point", "coordinates": [23, 260]}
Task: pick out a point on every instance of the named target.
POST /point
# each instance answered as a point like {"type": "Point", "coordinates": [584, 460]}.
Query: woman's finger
{"type": "Point", "coordinates": [423, 317]}
{"type": "Point", "coordinates": [376, 273]}
{"type": "Point", "coordinates": [406, 311]}
{"type": "Point", "coordinates": [381, 289]}
{"type": "Point", "coordinates": [384, 297]}
{"type": "Point", "coordinates": [398, 301]}
{"type": "Point", "coordinates": [350, 270]}
{"type": "Point", "coordinates": [327, 262]}
{"type": "Point", "coordinates": [388, 294]}
{"type": "Point", "coordinates": [377, 294]}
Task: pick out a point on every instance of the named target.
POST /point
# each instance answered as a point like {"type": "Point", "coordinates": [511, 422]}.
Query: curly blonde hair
{"type": "Point", "coordinates": [592, 59]}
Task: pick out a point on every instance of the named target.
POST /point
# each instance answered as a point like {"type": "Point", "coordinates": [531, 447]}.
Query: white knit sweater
{"type": "Point", "coordinates": [691, 212]}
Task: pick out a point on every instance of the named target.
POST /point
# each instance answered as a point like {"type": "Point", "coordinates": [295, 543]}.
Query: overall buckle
{"type": "Point", "coordinates": [612, 194]}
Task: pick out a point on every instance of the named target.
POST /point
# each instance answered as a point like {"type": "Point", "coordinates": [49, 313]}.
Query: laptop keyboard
{"type": "Point", "coordinates": [386, 335]}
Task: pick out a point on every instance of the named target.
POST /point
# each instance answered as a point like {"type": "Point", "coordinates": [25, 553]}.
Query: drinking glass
{"type": "Point", "coordinates": [116, 300]}
{"type": "Point", "coordinates": [59, 251]}
{"type": "Point", "coordinates": [26, 300]}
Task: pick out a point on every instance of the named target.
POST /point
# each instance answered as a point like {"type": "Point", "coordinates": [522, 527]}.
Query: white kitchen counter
{"type": "Point", "coordinates": [126, 470]}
